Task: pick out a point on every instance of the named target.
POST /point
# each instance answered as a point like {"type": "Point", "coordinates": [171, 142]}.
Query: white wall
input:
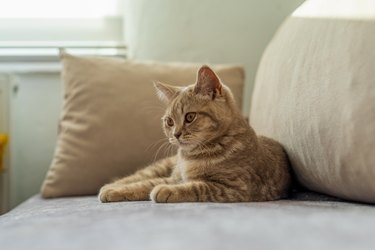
{"type": "Point", "coordinates": [207, 31]}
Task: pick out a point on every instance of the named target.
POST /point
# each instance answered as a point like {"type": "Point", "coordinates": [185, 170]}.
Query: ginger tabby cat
{"type": "Point", "coordinates": [219, 159]}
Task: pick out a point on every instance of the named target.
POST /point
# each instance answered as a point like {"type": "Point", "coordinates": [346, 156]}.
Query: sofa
{"type": "Point", "coordinates": [314, 93]}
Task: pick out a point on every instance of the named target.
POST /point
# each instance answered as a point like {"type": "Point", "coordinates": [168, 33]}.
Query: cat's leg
{"type": "Point", "coordinates": [196, 191]}
{"type": "Point", "coordinates": [159, 169]}
{"type": "Point", "coordinates": [139, 191]}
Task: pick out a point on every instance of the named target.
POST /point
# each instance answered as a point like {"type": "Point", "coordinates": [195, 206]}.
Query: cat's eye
{"type": "Point", "coordinates": [169, 121]}
{"type": "Point", "coordinates": [189, 117]}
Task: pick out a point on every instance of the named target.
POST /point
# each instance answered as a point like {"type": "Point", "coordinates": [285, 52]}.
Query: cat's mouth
{"type": "Point", "coordinates": [181, 143]}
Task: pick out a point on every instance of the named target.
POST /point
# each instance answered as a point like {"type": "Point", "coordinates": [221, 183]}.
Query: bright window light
{"type": "Point", "coordinates": [60, 8]}
{"type": "Point", "coordinates": [343, 9]}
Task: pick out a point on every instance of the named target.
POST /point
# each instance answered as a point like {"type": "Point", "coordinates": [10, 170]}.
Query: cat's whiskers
{"type": "Point", "coordinates": [207, 149]}
{"type": "Point", "coordinates": [171, 150]}
{"type": "Point", "coordinates": [159, 149]}
{"type": "Point", "coordinates": [154, 144]}
{"type": "Point", "coordinates": [202, 147]}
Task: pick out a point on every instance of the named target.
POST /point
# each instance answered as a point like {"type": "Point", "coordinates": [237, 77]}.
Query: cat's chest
{"type": "Point", "coordinates": [190, 169]}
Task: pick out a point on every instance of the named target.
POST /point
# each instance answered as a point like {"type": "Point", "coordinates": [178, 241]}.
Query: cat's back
{"type": "Point", "coordinates": [274, 161]}
{"type": "Point", "coordinates": [273, 149]}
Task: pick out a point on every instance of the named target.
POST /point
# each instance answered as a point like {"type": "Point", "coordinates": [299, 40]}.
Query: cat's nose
{"type": "Point", "coordinates": [177, 134]}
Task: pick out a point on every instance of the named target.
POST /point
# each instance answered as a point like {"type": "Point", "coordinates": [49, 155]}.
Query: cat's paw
{"type": "Point", "coordinates": [163, 194]}
{"type": "Point", "coordinates": [116, 192]}
{"type": "Point", "coordinates": [111, 193]}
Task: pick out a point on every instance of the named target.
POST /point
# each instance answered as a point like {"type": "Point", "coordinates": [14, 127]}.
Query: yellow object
{"type": "Point", "coordinates": [3, 143]}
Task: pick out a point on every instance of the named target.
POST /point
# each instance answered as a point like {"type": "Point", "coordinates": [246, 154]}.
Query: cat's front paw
{"type": "Point", "coordinates": [163, 194]}
{"type": "Point", "coordinates": [111, 193]}
{"type": "Point", "coordinates": [119, 192]}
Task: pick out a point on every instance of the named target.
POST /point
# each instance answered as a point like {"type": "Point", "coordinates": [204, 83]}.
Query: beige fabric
{"type": "Point", "coordinates": [110, 123]}
{"type": "Point", "coordinates": [315, 93]}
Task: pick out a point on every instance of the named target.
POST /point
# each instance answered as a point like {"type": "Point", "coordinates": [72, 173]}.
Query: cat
{"type": "Point", "coordinates": [219, 159]}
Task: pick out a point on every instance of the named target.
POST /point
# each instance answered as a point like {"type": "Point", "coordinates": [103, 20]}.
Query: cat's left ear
{"type": "Point", "coordinates": [166, 92]}
{"type": "Point", "coordinates": [208, 83]}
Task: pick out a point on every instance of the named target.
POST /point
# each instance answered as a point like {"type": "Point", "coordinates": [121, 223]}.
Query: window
{"type": "Point", "coordinates": [59, 8]}
{"type": "Point", "coordinates": [38, 26]}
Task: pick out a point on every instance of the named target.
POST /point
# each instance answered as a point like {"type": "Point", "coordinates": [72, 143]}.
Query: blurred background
{"type": "Point", "coordinates": [32, 31]}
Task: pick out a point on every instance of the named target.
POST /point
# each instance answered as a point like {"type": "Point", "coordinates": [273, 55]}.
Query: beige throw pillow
{"type": "Point", "coordinates": [111, 120]}
{"type": "Point", "coordinates": [315, 93]}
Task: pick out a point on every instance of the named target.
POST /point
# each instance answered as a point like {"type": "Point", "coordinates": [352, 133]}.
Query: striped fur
{"type": "Point", "coordinates": [219, 159]}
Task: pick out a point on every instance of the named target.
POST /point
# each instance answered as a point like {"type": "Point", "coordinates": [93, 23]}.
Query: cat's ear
{"type": "Point", "coordinates": [208, 83]}
{"type": "Point", "coordinates": [166, 92]}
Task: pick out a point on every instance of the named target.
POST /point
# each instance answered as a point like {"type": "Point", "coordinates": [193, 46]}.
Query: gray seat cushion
{"type": "Point", "coordinates": [84, 223]}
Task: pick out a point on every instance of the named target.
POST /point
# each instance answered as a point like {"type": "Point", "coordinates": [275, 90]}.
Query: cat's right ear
{"type": "Point", "coordinates": [166, 92]}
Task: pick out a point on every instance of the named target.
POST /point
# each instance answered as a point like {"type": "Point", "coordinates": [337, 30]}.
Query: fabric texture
{"type": "Point", "coordinates": [111, 119]}
{"type": "Point", "coordinates": [315, 93]}
{"type": "Point", "coordinates": [79, 223]}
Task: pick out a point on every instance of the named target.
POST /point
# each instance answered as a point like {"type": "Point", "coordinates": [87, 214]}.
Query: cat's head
{"type": "Point", "coordinates": [199, 113]}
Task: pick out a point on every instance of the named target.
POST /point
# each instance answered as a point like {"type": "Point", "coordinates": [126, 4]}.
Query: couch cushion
{"type": "Point", "coordinates": [315, 93]}
{"type": "Point", "coordinates": [110, 123]}
{"type": "Point", "coordinates": [77, 223]}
